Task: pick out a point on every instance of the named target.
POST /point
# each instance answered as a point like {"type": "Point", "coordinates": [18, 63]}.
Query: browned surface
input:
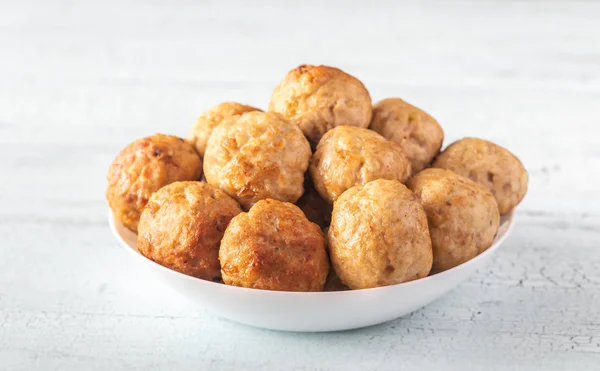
{"type": "Point", "coordinates": [419, 134]}
{"type": "Point", "coordinates": [347, 156]}
{"type": "Point", "coordinates": [462, 215]}
{"type": "Point", "coordinates": [182, 225]}
{"type": "Point", "coordinates": [207, 121]}
{"type": "Point", "coordinates": [257, 156]}
{"type": "Point", "coordinates": [490, 165]}
{"type": "Point", "coordinates": [142, 168]}
{"type": "Point", "coordinates": [379, 236]}
{"type": "Point", "coordinates": [274, 247]}
{"type": "Point", "coordinates": [319, 98]}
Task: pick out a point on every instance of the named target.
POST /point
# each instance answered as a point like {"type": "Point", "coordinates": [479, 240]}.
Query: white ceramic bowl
{"type": "Point", "coordinates": [311, 311]}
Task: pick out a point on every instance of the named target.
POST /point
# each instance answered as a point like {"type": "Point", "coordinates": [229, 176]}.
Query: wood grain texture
{"type": "Point", "coordinates": [78, 81]}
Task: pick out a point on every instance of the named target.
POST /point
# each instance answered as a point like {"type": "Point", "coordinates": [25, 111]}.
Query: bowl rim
{"type": "Point", "coordinates": [508, 217]}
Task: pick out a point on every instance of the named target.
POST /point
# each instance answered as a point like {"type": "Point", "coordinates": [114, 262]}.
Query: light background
{"type": "Point", "coordinates": [79, 80]}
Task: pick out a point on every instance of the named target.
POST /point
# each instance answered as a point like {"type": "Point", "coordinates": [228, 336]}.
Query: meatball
{"type": "Point", "coordinates": [419, 134]}
{"type": "Point", "coordinates": [490, 165]}
{"type": "Point", "coordinates": [316, 209]}
{"type": "Point", "coordinates": [462, 215]}
{"type": "Point", "coordinates": [257, 156]}
{"type": "Point", "coordinates": [319, 98]}
{"type": "Point", "coordinates": [347, 156]}
{"type": "Point", "coordinates": [206, 122]}
{"type": "Point", "coordinates": [182, 225]}
{"type": "Point", "coordinates": [274, 247]}
{"type": "Point", "coordinates": [379, 236]}
{"type": "Point", "coordinates": [142, 168]}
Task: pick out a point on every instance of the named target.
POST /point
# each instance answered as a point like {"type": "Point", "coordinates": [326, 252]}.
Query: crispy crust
{"type": "Point", "coordinates": [259, 155]}
{"type": "Point", "coordinates": [379, 236]}
{"type": "Point", "coordinates": [207, 121]}
{"type": "Point", "coordinates": [489, 165]}
{"type": "Point", "coordinates": [462, 215]}
{"type": "Point", "coordinates": [274, 247]}
{"type": "Point", "coordinates": [182, 225]}
{"type": "Point", "coordinates": [142, 168]}
{"type": "Point", "coordinates": [419, 134]}
{"type": "Point", "coordinates": [319, 98]}
{"type": "Point", "coordinates": [347, 156]}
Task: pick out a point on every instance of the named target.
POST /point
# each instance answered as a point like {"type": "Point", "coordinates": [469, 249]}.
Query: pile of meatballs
{"type": "Point", "coordinates": [324, 191]}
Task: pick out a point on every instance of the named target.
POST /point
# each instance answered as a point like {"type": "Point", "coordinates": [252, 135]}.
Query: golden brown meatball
{"type": "Point", "coordinates": [462, 215]}
{"type": "Point", "coordinates": [257, 156]}
{"type": "Point", "coordinates": [347, 156]}
{"type": "Point", "coordinates": [316, 209]}
{"type": "Point", "coordinates": [206, 122]}
{"type": "Point", "coordinates": [319, 98]}
{"type": "Point", "coordinates": [142, 168]}
{"type": "Point", "coordinates": [274, 247]}
{"type": "Point", "coordinates": [419, 134]}
{"type": "Point", "coordinates": [182, 225]}
{"type": "Point", "coordinates": [490, 165]}
{"type": "Point", "coordinates": [379, 236]}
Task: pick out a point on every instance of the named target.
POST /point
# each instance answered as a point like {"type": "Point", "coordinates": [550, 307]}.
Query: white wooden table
{"type": "Point", "coordinates": [79, 81]}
